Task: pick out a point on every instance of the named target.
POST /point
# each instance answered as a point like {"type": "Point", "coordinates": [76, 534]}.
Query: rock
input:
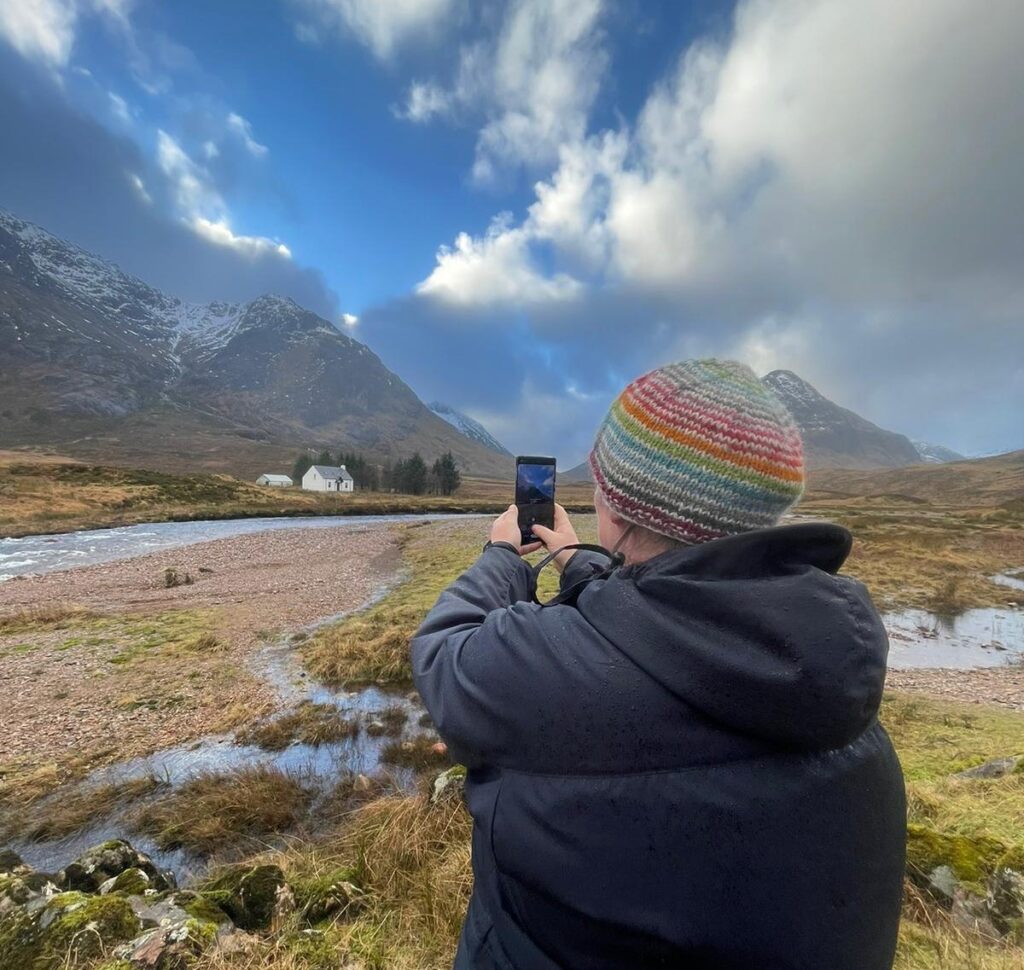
{"type": "Point", "coordinates": [362, 783]}
{"type": "Point", "coordinates": [102, 862]}
{"type": "Point", "coordinates": [448, 784]}
{"type": "Point", "coordinates": [338, 892]}
{"type": "Point", "coordinates": [970, 913]}
{"type": "Point", "coordinates": [250, 895]}
{"type": "Point", "coordinates": [64, 929]}
{"type": "Point", "coordinates": [943, 884]}
{"type": "Point", "coordinates": [376, 728]}
{"type": "Point", "coordinates": [1005, 903]}
{"type": "Point", "coordinates": [10, 861]}
{"type": "Point", "coordinates": [131, 882]}
{"type": "Point", "coordinates": [993, 769]}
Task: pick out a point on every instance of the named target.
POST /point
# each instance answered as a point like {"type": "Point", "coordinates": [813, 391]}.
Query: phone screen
{"type": "Point", "coordinates": [535, 494]}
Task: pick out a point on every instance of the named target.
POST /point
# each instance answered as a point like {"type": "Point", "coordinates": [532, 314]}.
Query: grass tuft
{"type": "Point", "coordinates": [309, 723]}
{"type": "Point", "coordinates": [232, 810]}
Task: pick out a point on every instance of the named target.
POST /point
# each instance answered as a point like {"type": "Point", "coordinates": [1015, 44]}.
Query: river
{"type": "Point", "coordinates": [32, 555]}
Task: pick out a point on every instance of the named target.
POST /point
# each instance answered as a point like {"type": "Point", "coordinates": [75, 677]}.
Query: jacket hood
{"type": "Point", "coordinates": [756, 631]}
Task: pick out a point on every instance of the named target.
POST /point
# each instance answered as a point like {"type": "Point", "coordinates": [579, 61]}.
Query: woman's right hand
{"type": "Point", "coordinates": [563, 534]}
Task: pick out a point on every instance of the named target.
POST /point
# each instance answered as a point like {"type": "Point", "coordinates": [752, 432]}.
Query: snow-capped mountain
{"type": "Point", "coordinates": [935, 454]}
{"type": "Point", "coordinates": [101, 363]}
{"type": "Point", "coordinates": [470, 427]}
{"type": "Point", "coordinates": [835, 437]}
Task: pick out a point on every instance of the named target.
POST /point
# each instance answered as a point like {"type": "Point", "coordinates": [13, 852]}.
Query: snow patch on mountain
{"type": "Point", "coordinates": [935, 454]}
{"type": "Point", "coordinates": [470, 427]}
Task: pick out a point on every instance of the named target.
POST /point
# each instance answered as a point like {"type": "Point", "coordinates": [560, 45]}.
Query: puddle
{"type": "Point", "coordinates": [976, 638]}
{"type": "Point", "coordinates": [322, 766]}
{"type": "Point", "coordinates": [1014, 578]}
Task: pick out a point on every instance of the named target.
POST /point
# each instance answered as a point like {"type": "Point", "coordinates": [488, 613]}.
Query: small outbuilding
{"type": "Point", "coordinates": [328, 478]}
{"type": "Point", "coordinates": [275, 481]}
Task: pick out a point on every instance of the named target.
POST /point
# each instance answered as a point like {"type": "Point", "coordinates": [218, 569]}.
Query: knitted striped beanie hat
{"type": "Point", "coordinates": [698, 450]}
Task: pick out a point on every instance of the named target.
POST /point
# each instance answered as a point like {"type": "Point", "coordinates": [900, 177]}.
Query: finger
{"type": "Point", "coordinates": [543, 533]}
{"type": "Point", "coordinates": [530, 547]}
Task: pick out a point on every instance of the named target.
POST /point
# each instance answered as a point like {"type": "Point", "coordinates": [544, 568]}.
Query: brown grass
{"type": "Point", "coordinates": [45, 616]}
{"type": "Point", "coordinates": [236, 810]}
{"type": "Point", "coordinates": [418, 753]}
{"type": "Point", "coordinates": [74, 810]}
{"type": "Point", "coordinates": [308, 723]}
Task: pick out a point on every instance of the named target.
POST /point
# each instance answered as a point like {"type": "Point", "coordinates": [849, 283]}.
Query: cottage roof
{"type": "Point", "coordinates": [276, 478]}
{"type": "Point", "coordinates": [331, 473]}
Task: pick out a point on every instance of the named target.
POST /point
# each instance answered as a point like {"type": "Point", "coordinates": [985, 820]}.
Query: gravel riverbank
{"type": "Point", "coordinates": [149, 665]}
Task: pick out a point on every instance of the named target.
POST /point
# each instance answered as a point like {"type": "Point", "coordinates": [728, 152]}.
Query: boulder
{"type": "Point", "coordinates": [448, 784]}
{"type": "Point", "coordinates": [64, 929]}
{"type": "Point", "coordinates": [993, 769]}
{"type": "Point", "coordinates": [1005, 903]}
{"type": "Point", "coordinates": [10, 861]}
{"type": "Point", "coordinates": [179, 927]}
{"type": "Point", "coordinates": [251, 895]}
{"type": "Point", "coordinates": [131, 882]}
{"type": "Point", "coordinates": [102, 862]}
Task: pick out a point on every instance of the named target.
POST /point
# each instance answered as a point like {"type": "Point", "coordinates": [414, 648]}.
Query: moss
{"type": "Point", "coordinates": [972, 860]}
{"type": "Point", "coordinates": [202, 908]}
{"type": "Point", "coordinates": [72, 927]}
{"type": "Point", "coordinates": [334, 893]}
{"type": "Point", "coordinates": [131, 882]}
{"type": "Point", "coordinates": [248, 894]}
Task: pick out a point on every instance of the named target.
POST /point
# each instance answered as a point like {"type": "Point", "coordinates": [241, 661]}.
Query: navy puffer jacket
{"type": "Point", "coordinates": [683, 769]}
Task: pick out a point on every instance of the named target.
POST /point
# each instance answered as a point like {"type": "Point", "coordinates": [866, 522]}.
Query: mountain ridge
{"type": "Point", "coordinates": [101, 365]}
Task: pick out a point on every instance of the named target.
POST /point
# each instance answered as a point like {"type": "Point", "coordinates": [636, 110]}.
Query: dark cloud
{"type": "Point", "coordinates": [66, 172]}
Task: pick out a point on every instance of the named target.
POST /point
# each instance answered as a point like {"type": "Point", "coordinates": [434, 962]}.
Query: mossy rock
{"type": "Point", "coordinates": [131, 882]}
{"type": "Point", "coordinates": [248, 894]}
{"type": "Point", "coordinates": [70, 928]}
{"type": "Point", "coordinates": [336, 893]}
{"type": "Point", "coordinates": [9, 860]}
{"type": "Point", "coordinates": [971, 859]}
{"type": "Point", "coordinates": [102, 862]}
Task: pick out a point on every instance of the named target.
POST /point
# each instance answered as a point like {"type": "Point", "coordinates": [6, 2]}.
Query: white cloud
{"type": "Point", "coordinates": [202, 207]}
{"type": "Point", "coordinates": [140, 188]}
{"type": "Point", "coordinates": [532, 82]}
{"type": "Point", "coordinates": [349, 319]}
{"type": "Point", "coordinates": [425, 100]}
{"type": "Point", "coordinates": [119, 107]}
{"type": "Point", "coordinates": [220, 232]}
{"type": "Point", "coordinates": [495, 269]}
{"type": "Point", "coordinates": [44, 30]}
{"type": "Point", "coordinates": [210, 149]}
{"type": "Point", "coordinates": [381, 25]}
{"type": "Point", "coordinates": [243, 129]}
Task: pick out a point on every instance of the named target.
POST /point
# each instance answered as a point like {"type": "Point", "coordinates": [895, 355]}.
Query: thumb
{"type": "Point", "coordinates": [541, 531]}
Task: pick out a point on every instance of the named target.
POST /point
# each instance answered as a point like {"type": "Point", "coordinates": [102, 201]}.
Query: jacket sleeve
{"type": "Point", "coordinates": [488, 663]}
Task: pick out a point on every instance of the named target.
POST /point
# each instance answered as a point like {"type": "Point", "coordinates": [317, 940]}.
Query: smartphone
{"type": "Point", "coordinates": [535, 494]}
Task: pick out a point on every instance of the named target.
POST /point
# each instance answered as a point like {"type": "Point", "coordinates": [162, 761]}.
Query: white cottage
{"type": "Point", "coordinates": [275, 481]}
{"type": "Point", "coordinates": [327, 478]}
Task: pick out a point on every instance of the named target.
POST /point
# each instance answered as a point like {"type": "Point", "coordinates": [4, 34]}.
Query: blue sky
{"type": "Point", "coordinates": [521, 205]}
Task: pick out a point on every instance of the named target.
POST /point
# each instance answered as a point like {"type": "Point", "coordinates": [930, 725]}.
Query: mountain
{"type": "Point", "coordinates": [106, 368]}
{"type": "Point", "coordinates": [833, 436]}
{"type": "Point", "coordinates": [935, 454]}
{"type": "Point", "coordinates": [998, 480]}
{"type": "Point", "coordinates": [468, 426]}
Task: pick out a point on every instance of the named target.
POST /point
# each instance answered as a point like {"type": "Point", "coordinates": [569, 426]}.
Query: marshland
{"type": "Point", "coordinates": [259, 717]}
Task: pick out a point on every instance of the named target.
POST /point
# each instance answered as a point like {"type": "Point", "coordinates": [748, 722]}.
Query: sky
{"type": "Point", "coordinates": [521, 205]}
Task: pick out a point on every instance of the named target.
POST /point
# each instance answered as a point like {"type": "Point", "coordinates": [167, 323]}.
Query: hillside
{"type": "Point", "coordinates": [100, 366]}
{"type": "Point", "coordinates": [998, 480]}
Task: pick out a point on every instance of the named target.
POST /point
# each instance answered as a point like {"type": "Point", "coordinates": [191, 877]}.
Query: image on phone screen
{"type": "Point", "coordinates": [535, 494]}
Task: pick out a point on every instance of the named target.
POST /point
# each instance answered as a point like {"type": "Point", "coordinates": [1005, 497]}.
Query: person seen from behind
{"type": "Point", "coordinates": [678, 763]}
